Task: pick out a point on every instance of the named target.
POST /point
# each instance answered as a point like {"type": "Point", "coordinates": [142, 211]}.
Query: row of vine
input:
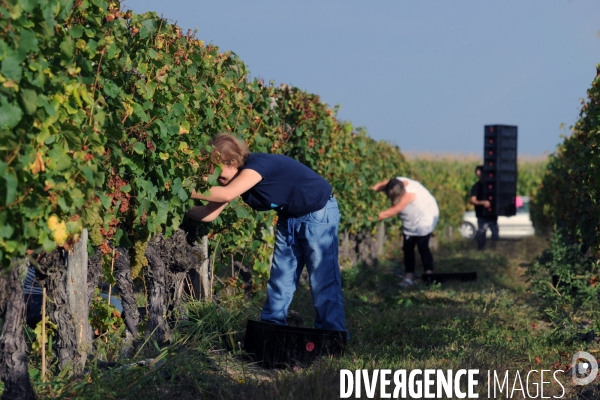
{"type": "Point", "coordinates": [105, 117]}
{"type": "Point", "coordinates": [568, 197]}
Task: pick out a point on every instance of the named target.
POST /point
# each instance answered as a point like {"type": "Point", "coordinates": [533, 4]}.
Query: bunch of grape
{"type": "Point", "coordinates": [139, 260]}
{"type": "Point", "coordinates": [96, 235]}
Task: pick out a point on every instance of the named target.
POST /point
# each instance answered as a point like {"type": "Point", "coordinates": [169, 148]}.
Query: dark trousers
{"type": "Point", "coordinates": [422, 243]}
{"type": "Point", "coordinates": [33, 311]}
{"type": "Point", "coordinates": [482, 226]}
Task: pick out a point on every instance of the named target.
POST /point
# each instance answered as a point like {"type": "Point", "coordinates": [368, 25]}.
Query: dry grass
{"type": "Point", "coordinates": [428, 156]}
{"type": "Point", "coordinates": [467, 157]}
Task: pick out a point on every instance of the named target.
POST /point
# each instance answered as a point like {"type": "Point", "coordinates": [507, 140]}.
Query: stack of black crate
{"type": "Point", "coordinates": [500, 169]}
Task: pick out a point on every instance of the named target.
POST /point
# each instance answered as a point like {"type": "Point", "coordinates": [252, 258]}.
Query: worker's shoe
{"type": "Point", "coordinates": [407, 283]}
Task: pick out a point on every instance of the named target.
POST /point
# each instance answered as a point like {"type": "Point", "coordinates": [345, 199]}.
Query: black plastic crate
{"type": "Point", "coordinates": [280, 346]}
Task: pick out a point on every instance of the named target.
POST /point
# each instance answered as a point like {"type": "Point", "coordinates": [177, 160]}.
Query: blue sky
{"type": "Point", "coordinates": [425, 75]}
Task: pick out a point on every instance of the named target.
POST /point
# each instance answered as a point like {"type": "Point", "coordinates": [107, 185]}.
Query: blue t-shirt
{"type": "Point", "coordinates": [287, 186]}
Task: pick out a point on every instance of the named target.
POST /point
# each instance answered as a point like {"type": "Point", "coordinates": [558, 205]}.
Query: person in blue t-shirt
{"type": "Point", "coordinates": [307, 227]}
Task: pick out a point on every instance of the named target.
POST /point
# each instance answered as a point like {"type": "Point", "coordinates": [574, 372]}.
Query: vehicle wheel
{"type": "Point", "coordinates": [467, 230]}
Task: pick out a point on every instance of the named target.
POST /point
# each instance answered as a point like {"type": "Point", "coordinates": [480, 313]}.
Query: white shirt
{"type": "Point", "coordinates": [420, 217]}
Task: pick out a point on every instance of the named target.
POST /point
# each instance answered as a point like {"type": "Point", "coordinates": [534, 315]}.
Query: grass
{"type": "Point", "coordinates": [490, 324]}
{"type": "Point", "coordinates": [493, 323]}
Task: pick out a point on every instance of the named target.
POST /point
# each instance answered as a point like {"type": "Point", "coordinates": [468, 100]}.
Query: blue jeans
{"type": "Point", "coordinates": [482, 226]}
{"type": "Point", "coordinates": [310, 240]}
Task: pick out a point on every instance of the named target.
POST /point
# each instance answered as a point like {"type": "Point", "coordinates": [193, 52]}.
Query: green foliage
{"type": "Point", "coordinates": [107, 323]}
{"type": "Point", "coordinates": [566, 278]}
{"type": "Point", "coordinates": [48, 144]}
{"type": "Point", "coordinates": [41, 340]}
{"type": "Point", "coordinates": [531, 173]}
{"type": "Point", "coordinates": [570, 190]}
{"type": "Point", "coordinates": [160, 93]}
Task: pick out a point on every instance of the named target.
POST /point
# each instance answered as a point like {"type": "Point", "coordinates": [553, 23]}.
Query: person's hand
{"type": "Point", "coordinates": [486, 204]}
{"type": "Point", "coordinates": [374, 188]}
{"type": "Point", "coordinates": [381, 216]}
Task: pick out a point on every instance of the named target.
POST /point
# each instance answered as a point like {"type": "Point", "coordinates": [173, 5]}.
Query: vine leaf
{"type": "Point", "coordinates": [10, 115]}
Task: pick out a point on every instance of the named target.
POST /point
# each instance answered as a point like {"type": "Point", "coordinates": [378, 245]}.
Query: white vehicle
{"type": "Point", "coordinates": [517, 226]}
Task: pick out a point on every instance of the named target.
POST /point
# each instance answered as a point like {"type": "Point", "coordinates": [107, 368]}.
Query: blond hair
{"type": "Point", "coordinates": [230, 150]}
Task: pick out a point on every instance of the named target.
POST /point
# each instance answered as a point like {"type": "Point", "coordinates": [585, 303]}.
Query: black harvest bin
{"type": "Point", "coordinates": [279, 346]}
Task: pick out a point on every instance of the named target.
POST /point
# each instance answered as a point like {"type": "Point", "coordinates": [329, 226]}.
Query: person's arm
{"type": "Point", "coordinates": [395, 209]}
{"type": "Point", "coordinates": [379, 186]}
{"type": "Point", "coordinates": [475, 202]}
{"type": "Point", "coordinates": [207, 213]}
{"type": "Point", "coordinates": [246, 179]}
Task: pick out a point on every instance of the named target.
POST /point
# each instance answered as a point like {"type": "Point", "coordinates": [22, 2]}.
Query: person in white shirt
{"type": "Point", "coordinates": [419, 213]}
